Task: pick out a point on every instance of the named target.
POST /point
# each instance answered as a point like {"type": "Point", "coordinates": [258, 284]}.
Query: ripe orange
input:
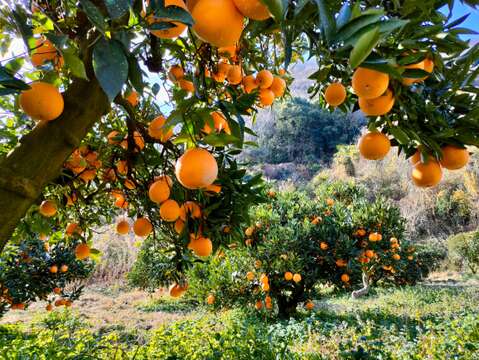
{"type": "Point", "coordinates": [341, 263]}
{"type": "Point", "coordinates": [396, 257]}
{"type": "Point", "coordinates": [253, 9]}
{"type": "Point", "coordinates": [415, 158]}
{"type": "Point", "coordinates": [329, 202]}
{"type": "Point", "coordinates": [257, 264]}
{"type": "Point", "coordinates": [335, 94]}
{"type": "Point", "coordinates": [82, 251]}
{"type": "Point", "coordinates": [186, 85]}
{"type": "Point", "coordinates": [265, 287]}
{"type": "Point", "coordinates": [213, 188]}
{"type": "Point", "coordinates": [133, 98]}
{"type": "Point", "coordinates": [296, 278]}
{"type": "Point", "coordinates": [375, 236]}
{"type": "Point", "coordinates": [264, 279]}
{"type": "Point", "coordinates": [138, 139]}
{"type": "Point", "coordinates": [427, 174]}
{"type": "Point", "coordinates": [288, 276]}
{"type": "Point", "coordinates": [196, 168]}
{"type": "Point", "coordinates": [249, 231]}
{"type": "Point", "coordinates": [377, 106]}
{"type": "Point", "coordinates": [374, 145]}
{"type": "Point", "coordinates": [64, 268]}
{"type": "Point", "coordinates": [210, 300]}
{"type": "Point", "coordinates": [53, 269]}
{"type": "Point", "coordinates": [369, 84]}
{"type": "Point", "coordinates": [170, 210]}
{"type": "Point", "coordinates": [266, 97]}
{"type": "Point", "coordinates": [219, 76]}
{"type": "Point", "coordinates": [190, 208]}
{"type": "Point", "coordinates": [220, 124]}
{"type": "Point", "coordinates": [142, 227]}
{"type": "Point", "coordinates": [235, 75]}
{"type": "Point", "coordinates": [159, 191]}
{"type": "Point", "coordinates": [250, 275]}
{"type": "Point", "coordinates": [258, 305]}
{"type": "Point", "coordinates": [453, 157]}
{"type": "Point", "coordinates": [57, 290]}
{"type": "Point", "coordinates": [345, 278]}
{"type": "Point", "coordinates": [48, 208]}
{"type": "Point", "coordinates": [309, 305]}
{"type": "Point", "coordinates": [201, 246]}
{"type": "Point", "coordinates": [323, 246]}
{"type": "Point", "coordinates": [176, 73]}
{"type": "Point", "coordinates": [217, 22]}
{"type": "Point", "coordinates": [158, 131]}
{"type": "Point", "coordinates": [59, 302]}
{"type": "Point", "coordinates": [123, 227]}
{"type": "Point", "coordinates": [45, 51]}
{"type": "Point", "coordinates": [129, 184]}
{"type": "Point", "coordinates": [43, 102]}
{"type": "Point", "coordinates": [428, 65]}
{"type": "Point", "coordinates": [49, 307]}
{"type": "Point", "coordinates": [278, 86]}
{"type": "Point", "coordinates": [177, 290]}
{"type": "Point", "coordinates": [122, 167]}
{"type": "Point", "coordinates": [264, 79]}
{"type": "Point", "coordinates": [88, 175]}
{"type": "Point", "coordinates": [179, 226]}
{"type": "Point", "coordinates": [410, 81]}
{"type": "Point", "coordinates": [73, 228]}
{"type": "Point", "coordinates": [174, 31]}
{"type": "Point", "coordinates": [111, 137]}
{"type": "Point", "coordinates": [249, 83]}
{"type": "Point", "coordinates": [19, 306]}
{"type": "Point", "coordinates": [369, 253]}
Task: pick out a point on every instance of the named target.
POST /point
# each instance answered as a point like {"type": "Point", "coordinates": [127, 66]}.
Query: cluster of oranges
{"type": "Point", "coordinates": [375, 98]}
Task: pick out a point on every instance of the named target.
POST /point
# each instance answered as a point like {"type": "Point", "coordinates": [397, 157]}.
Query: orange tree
{"type": "Point", "coordinates": [138, 108]}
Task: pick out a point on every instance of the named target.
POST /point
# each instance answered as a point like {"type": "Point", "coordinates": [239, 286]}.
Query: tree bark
{"type": "Point", "coordinates": [364, 290]}
{"type": "Point", "coordinates": [39, 156]}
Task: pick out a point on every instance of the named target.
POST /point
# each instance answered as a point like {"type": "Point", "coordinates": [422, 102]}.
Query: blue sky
{"type": "Point", "coordinates": [472, 22]}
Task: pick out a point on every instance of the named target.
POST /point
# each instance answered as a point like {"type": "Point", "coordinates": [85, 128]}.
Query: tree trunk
{"type": "Point", "coordinates": [364, 290]}
{"type": "Point", "coordinates": [39, 156]}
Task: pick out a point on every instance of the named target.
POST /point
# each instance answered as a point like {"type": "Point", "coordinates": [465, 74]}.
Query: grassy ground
{"type": "Point", "coordinates": [435, 320]}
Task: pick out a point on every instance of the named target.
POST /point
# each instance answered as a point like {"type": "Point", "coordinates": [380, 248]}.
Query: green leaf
{"type": "Point", "coordinates": [111, 66]}
{"type": "Point", "coordinates": [354, 26]}
{"type": "Point", "coordinates": [135, 74]}
{"type": "Point", "coordinates": [220, 139]}
{"type": "Point", "coordinates": [94, 15]}
{"type": "Point", "coordinates": [399, 135]}
{"type": "Point", "coordinates": [327, 24]}
{"type": "Point", "coordinates": [386, 27]}
{"type": "Point", "coordinates": [9, 81]}
{"type": "Point", "coordinates": [415, 73]}
{"type": "Point", "coordinates": [344, 16]}
{"type": "Point", "coordinates": [74, 63]}
{"type": "Point", "coordinates": [364, 47]}
{"type": "Point", "coordinates": [58, 40]}
{"type": "Point", "coordinates": [172, 12]}
{"type": "Point", "coordinates": [382, 67]}
{"type": "Point", "coordinates": [117, 8]}
{"type": "Point", "coordinates": [21, 22]}
{"type": "Point", "coordinates": [276, 8]}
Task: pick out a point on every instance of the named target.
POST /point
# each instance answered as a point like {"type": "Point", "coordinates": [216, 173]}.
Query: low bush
{"type": "Point", "coordinates": [464, 250]}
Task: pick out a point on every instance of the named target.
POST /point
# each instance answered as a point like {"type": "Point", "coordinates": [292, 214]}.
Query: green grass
{"type": "Point", "coordinates": [422, 322]}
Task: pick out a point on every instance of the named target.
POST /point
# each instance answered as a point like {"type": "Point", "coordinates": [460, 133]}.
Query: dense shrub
{"type": "Point", "coordinates": [464, 250]}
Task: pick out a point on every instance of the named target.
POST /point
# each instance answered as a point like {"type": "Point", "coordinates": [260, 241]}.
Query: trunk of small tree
{"type": "Point", "coordinates": [364, 290]}
{"type": "Point", "coordinates": [39, 156]}
{"type": "Point", "coordinates": [287, 305]}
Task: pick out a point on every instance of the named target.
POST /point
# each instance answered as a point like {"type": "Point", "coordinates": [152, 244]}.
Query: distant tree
{"type": "Point", "coordinates": [302, 132]}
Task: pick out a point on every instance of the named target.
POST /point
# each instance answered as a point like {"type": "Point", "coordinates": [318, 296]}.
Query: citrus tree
{"type": "Point", "coordinates": [138, 108]}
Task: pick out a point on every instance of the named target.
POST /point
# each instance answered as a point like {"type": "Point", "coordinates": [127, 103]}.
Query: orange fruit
{"type": "Point", "coordinates": [335, 94]}
{"type": "Point", "coordinates": [288, 276]}
{"type": "Point", "coordinates": [142, 227]}
{"type": "Point", "coordinates": [165, 178]}
{"type": "Point", "coordinates": [190, 208]}
{"type": "Point", "coordinates": [176, 73]}
{"type": "Point", "coordinates": [428, 65]}
{"type": "Point", "coordinates": [196, 168]}
{"type": "Point", "coordinates": [111, 137]}
{"type": "Point", "coordinates": [369, 84]}
{"type": "Point", "coordinates": [133, 98]}
{"type": "Point", "coordinates": [375, 237]}
{"type": "Point", "coordinates": [278, 86]}
{"type": "Point", "coordinates": [266, 97]}
{"type": "Point", "coordinates": [369, 253]}
{"type": "Point", "coordinates": [49, 307]}
{"type": "Point", "coordinates": [59, 302]}
{"type": "Point", "coordinates": [341, 263]}
{"type": "Point", "coordinates": [377, 106]}
{"type": "Point", "coordinates": [53, 269]}
{"type": "Point", "coordinates": [138, 139]}
{"type": "Point", "coordinates": [179, 226]}
{"type": "Point", "coordinates": [210, 300]}
{"type": "Point", "coordinates": [410, 81]}
{"type": "Point", "coordinates": [296, 278]}
{"type": "Point", "coordinates": [258, 305]}
{"type": "Point", "coordinates": [309, 305]}
{"type": "Point", "coordinates": [223, 66]}
{"type": "Point", "coordinates": [19, 306]}
{"type": "Point", "coordinates": [171, 32]}
{"type": "Point", "coordinates": [250, 275]}
{"type": "Point", "coordinates": [217, 22]}
{"type": "Point", "coordinates": [264, 79]}
{"type": "Point", "coordinates": [73, 228]}
{"type": "Point", "coordinates": [177, 290]}
{"type": "Point", "coordinates": [64, 268]}
{"type": "Point", "coordinates": [157, 130]}
{"type": "Point", "coordinates": [122, 167]}
{"type": "Point", "coordinates": [82, 251]}
{"type": "Point", "coordinates": [213, 188]}
{"type": "Point", "coordinates": [220, 124]}
{"type": "Point", "coordinates": [265, 286]}
{"type": "Point", "coordinates": [374, 145]}
{"type": "Point", "coordinates": [234, 75]}
{"type": "Point", "coordinates": [416, 157]}
{"type": "Point", "coordinates": [219, 76]}
{"type": "Point", "coordinates": [88, 175]}
{"type": "Point", "coordinates": [249, 231]}
{"type": "Point", "coordinates": [453, 157]}
{"type": "Point", "coordinates": [159, 191]}
{"type": "Point", "coordinates": [186, 85]}
{"type": "Point", "coordinates": [48, 208]}
{"type": "Point", "coordinates": [44, 51]}
{"type": "Point", "coordinates": [43, 102]}
{"type": "Point", "coordinates": [129, 184]}
{"type": "Point", "coordinates": [229, 51]}
{"type": "Point", "coordinates": [345, 278]}
{"type": "Point", "coordinates": [123, 227]}
{"type": "Point", "coordinates": [57, 290]}
{"type": "Point", "coordinates": [396, 257]}
{"type": "Point", "coordinates": [264, 279]}
{"type": "Point", "coordinates": [201, 246]}
{"type": "Point", "coordinates": [249, 83]}
{"type": "Point", "coordinates": [323, 246]}
{"type": "Point", "coordinates": [170, 210]}
{"type": "Point", "coordinates": [253, 9]}
{"type": "Point", "coordinates": [427, 174]}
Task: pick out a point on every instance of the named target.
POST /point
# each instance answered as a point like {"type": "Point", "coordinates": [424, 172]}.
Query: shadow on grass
{"type": "Point", "coordinates": [164, 304]}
